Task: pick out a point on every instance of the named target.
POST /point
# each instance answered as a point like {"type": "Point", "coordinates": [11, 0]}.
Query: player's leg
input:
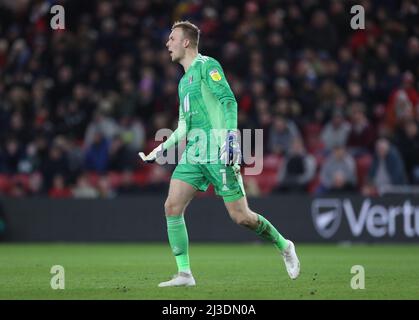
{"type": "Point", "coordinates": [228, 184]}
{"type": "Point", "coordinates": [180, 194]}
{"type": "Point", "coordinates": [240, 212]}
{"type": "Point", "coordinates": [186, 180]}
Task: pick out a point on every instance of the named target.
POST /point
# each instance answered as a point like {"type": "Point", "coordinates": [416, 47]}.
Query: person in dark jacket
{"type": "Point", "coordinates": [97, 154]}
{"type": "Point", "coordinates": [387, 167]}
{"type": "Point", "coordinates": [407, 141]}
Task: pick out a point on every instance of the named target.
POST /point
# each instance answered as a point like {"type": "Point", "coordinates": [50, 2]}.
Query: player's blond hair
{"type": "Point", "coordinates": [190, 31]}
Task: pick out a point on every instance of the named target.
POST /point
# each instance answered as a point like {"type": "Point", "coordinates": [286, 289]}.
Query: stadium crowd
{"type": "Point", "coordinates": [339, 107]}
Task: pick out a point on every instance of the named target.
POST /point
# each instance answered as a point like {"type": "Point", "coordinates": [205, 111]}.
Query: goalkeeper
{"type": "Point", "coordinates": [207, 105]}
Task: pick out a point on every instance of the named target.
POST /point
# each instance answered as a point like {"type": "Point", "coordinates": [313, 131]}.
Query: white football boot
{"type": "Point", "coordinates": [291, 260]}
{"type": "Point", "coordinates": [181, 279]}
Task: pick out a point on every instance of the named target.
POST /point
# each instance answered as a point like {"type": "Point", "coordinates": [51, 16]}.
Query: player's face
{"type": "Point", "coordinates": [175, 45]}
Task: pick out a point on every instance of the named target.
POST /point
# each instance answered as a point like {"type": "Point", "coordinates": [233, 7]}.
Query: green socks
{"type": "Point", "coordinates": [268, 232]}
{"type": "Point", "coordinates": [179, 242]}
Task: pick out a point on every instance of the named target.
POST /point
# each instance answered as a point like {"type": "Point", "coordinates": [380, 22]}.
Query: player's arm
{"type": "Point", "coordinates": [175, 137]}
{"type": "Point", "coordinates": [217, 83]}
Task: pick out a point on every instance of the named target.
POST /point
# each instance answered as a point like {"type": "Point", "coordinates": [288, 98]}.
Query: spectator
{"type": "Point", "coordinates": [403, 102]}
{"type": "Point", "coordinates": [12, 155]}
{"type": "Point", "coordinates": [298, 170]}
{"type": "Point", "coordinates": [407, 141]}
{"type": "Point", "coordinates": [75, 156]}
{"type": "Point", "coordinates": [362, 135]}
{"type": "Point", "coordinates": [411, 59]}
{"type": "Point", "coordinates": [129, 98]}
{"type": "Point", "coordinates": [120, 157]}
{"type": "Point", "coordinates": [387, 168]}
{"type": "Point", "coordinates": [97, 154]}
{"type": "Point", "coordinates": [281, 135]}
{"type": "Point", "coordinates": [105, 189]}
{"type": "Point", "coordinates": [17, 190]}
{"type": "Point", "coordinates": [59, 189]}
{"type": "Point", "coordinates": [338, 173]}
{"type": "Point", "coordinates": [336, 131]}
{"type": "Point", "coordinates": [328, 93]}
{"type": "Point", "coordinates": [83, 189]}
{"type": "Point", "coordinates": [75, 120]}
{"type": "Point", "coordinates": [132, 133]}
{"type": "Point", "coordinates": [321, 35]}
{"type": "Point", "coordinates": [55, 164]}
{"type": "Point", "coordinates": [36, 184]}
{"type": "Point", "coordinates": [30, 161]}
{"type": "Point", "coordinates": [102, 124]}
{"type": "Point", "coordinates": [18, 128]}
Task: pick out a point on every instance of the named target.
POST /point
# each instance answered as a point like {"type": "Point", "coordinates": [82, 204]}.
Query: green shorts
{"type": "Point", "coordinates": [227, 181]}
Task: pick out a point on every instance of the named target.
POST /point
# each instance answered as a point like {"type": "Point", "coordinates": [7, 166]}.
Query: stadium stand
{"type": "Point", "coordinates": [81, 102]}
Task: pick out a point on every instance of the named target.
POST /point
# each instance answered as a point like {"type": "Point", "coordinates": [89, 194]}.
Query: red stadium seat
{"type": "Point", "coordinates": [23, 179]}
{"type": "Point", "coordinates": [272, 162]}
{"type": "Point", "coordinates": [266, 181]}
{"type": "Point", "coordinates": [312, 140]}
{"type": "Point", "coordinates": [312, 129]}
{"type": "Point", "coordinates": [5, 183]}
{"type": "Point", "coordinates": [314, 184]}
{"type": "Point", "coordinates": [115, 179]}
{"type": "Point", "coordinates": [140, 177]}
{"type": "Point", "coordinates": [363, 164]}
{"type": "Point", "coordinates": [93, 178]}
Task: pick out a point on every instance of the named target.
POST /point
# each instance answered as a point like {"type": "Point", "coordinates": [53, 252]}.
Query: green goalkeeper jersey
{"type": "Point", "coordinates": [207, 108]}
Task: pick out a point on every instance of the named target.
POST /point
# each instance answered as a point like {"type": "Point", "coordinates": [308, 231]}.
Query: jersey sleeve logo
{"type": "Point", "coordinates": [215, 75]}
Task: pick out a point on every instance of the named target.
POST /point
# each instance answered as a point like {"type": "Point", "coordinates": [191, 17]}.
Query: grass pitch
{"type": "Point", "coordinates": [222, 271]}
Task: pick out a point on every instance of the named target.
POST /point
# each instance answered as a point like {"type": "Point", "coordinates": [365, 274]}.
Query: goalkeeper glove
{"type": "Point", "coordinates": [230, 151]}
{"type": "Point", "coordinates": [153, 155]}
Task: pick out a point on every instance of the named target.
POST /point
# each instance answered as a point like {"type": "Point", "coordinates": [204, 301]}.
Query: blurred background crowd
{"type": "Point", "coordinates": [339, 107]}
